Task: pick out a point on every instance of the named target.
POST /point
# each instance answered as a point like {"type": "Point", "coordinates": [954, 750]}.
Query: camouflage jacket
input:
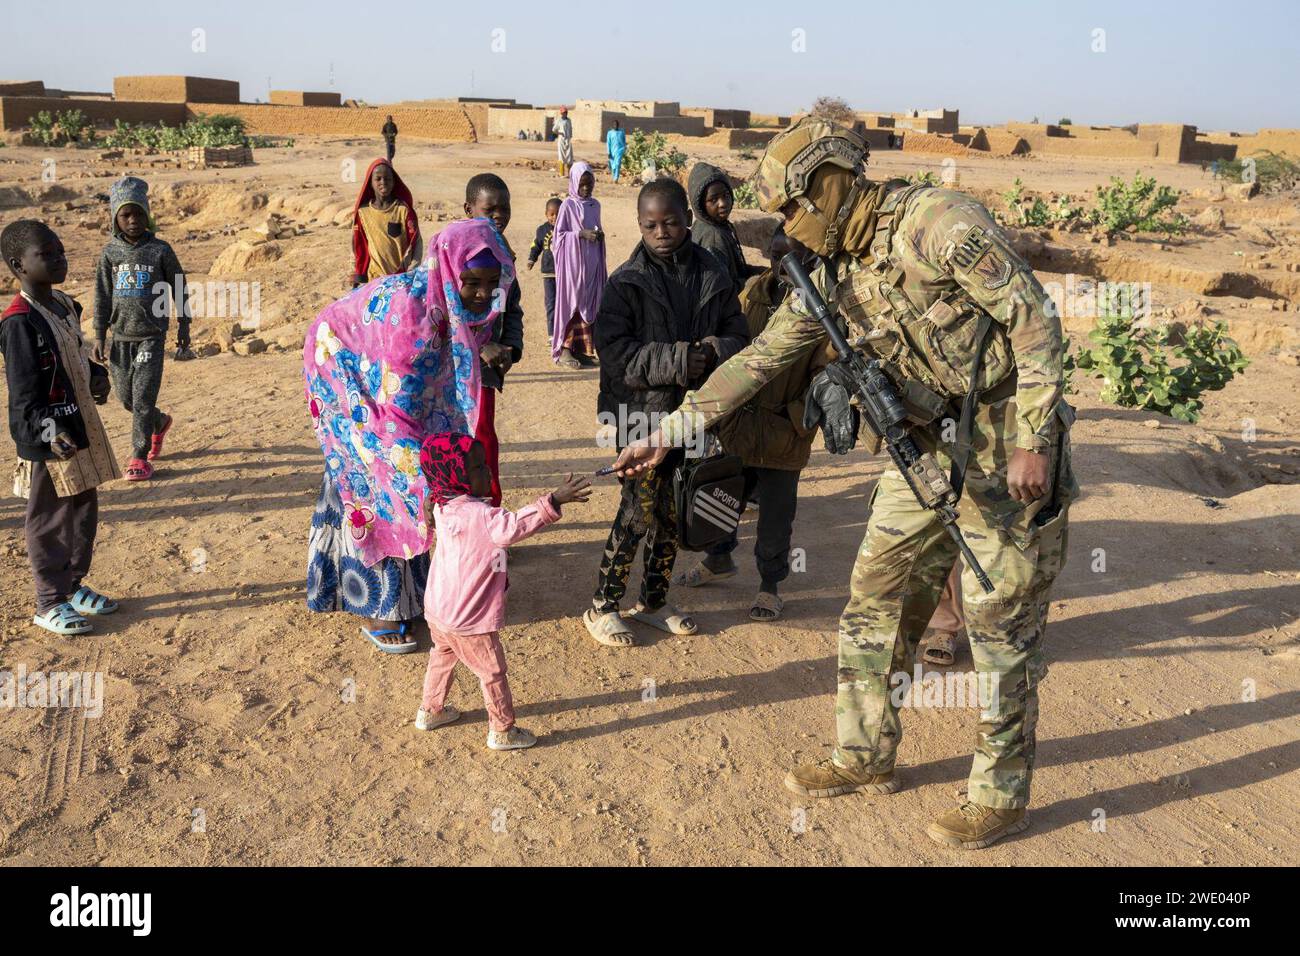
{"type": "Point", "coordinates": [946, 262]}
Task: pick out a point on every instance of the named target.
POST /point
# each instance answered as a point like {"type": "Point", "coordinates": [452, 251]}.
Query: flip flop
{"type": "Point", "coordinates": [701, 575]}
{"type": "Point", "coordinates": [667, 619]}
{"type": "Point", "coordinates": [569, 363]}
{"type": "Point", "coordinates": [608, 628]}
{"type": "Point", "coordinates": [63, 619]}
{"type": "Point", "coordinates": [404, 648]}
{"type": "Point", "coordinates": [137, 469]}
{"type": "Point", "coordinates": [89, 601]}
{"type": "Point", "coordinates": [156, 443]}
{"type": "Point", "coordinates": [767, 607]}
{"type": "Point", "coordinates": [940, 648]}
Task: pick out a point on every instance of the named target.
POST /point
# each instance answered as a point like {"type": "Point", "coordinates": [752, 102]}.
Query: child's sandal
{"type": "Point", "coordinates": [156, 443]}
{"type": "Point", "coordinates": [608, 629]}
{"type": "Point", "coordinates": [137, 469]}
{"type": "Point", "coordinates": [89, 601]}
{"type": "Point", "coordinates": [667, 619]}
{"type": "Point", "coordinates": [63, 619]}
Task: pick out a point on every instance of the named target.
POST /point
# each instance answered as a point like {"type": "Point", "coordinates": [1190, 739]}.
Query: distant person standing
{"type": "Point", "coordinates": [390, 137]}
{"type": "Point", "coordinates": [564, 141]}
{"type": "Point", "coordinates": [616, 146]}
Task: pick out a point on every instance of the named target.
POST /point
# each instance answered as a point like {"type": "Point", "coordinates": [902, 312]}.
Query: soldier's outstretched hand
{"type": "Point", "coordinates": [641, 455]}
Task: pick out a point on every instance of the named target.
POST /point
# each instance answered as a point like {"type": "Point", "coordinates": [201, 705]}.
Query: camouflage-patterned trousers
{"type": "Point", "coordinates": [646, 510]}
{"type": "Point", "coordinates": [898, 579]}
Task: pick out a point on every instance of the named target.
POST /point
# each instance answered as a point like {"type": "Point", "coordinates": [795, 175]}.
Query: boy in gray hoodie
{"type": "Point", "coordinates": [138, 281]}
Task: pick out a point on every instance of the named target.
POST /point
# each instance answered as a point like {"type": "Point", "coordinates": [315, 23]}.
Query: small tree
{"type": "Point", "coordinates": [1065, 121]}
{"type": "Point", "coordinates": [832, 108]}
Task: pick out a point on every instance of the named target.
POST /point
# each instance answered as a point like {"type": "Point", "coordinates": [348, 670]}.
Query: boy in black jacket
{"type": "Point", "coordinates": [668, 316]}
{"type": "Point", "coordinates": [63, 451]}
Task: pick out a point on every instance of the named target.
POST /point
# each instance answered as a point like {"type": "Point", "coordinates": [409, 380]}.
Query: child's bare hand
{"type": "Point", "coordinates": [63, 447]}
{"type": "Point", "coordinates": [573, 489]}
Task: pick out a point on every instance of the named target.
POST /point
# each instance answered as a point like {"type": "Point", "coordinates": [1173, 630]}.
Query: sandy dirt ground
{"type": "Point", "coordinates": [237, 728]}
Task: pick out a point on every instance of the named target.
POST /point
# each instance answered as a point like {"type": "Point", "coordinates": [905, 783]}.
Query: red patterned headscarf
{"type": "Point", "coordinates": [444, 459]}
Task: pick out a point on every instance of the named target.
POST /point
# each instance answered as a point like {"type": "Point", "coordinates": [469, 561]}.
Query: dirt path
{"type": "Point", "coordinates": [238, 728]}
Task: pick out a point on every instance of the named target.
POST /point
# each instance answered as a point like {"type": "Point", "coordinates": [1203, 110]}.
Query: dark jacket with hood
{"type": "Point", "coordinates": [717, 237]}
{"type": "Point", "coordinates": [39, 389]}
{"type": "Point", "coordinates": [643, 340]}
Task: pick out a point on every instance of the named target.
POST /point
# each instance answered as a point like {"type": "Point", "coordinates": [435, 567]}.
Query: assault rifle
{"type": "Point", "coordinates": [884, 411]}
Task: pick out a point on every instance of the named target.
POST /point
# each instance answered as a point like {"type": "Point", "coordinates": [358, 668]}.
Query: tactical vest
{"type": "Point", "coordinates": [936, 348]}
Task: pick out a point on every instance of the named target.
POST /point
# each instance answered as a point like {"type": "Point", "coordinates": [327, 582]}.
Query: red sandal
{"type": "Point", "coordinates": [137, 469]}
{"type": "Point", "coordinates": [156, 443]}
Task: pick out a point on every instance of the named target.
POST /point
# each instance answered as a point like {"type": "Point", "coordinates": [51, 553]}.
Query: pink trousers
{"type": "Point", "coordinates": [482, 654]}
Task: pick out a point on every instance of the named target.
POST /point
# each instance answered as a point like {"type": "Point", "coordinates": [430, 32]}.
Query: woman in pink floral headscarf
{"type": "Point", "coordinates": [388, 365]}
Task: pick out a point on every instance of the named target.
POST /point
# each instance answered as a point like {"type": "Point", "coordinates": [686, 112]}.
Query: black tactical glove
{"type": "Point", "coordinates": [827, 402]}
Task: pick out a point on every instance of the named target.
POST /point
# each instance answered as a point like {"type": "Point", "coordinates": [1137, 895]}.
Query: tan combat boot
{"type": "Point", "coordinates": [973, 827]}
{"type": "Point", "coordinates": [825, 778]}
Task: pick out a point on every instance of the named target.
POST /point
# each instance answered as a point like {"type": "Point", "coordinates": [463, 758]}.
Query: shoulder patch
{"type": "Point", "coordinates": [971, 248]}
{"type": "Point", "coordinates": [994, 270]}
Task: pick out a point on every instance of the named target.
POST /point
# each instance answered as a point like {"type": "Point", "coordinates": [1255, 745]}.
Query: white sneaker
{"type": "Point", "coordinates": [516, 738]}
{"type": "Point", "coordinates": [427, 721]}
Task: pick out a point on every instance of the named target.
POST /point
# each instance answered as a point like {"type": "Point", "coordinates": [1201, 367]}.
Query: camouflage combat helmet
{"type": "Point", "coordinates": [791, 157]}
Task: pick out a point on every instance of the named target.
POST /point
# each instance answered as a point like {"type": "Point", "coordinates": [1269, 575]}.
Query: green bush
{"type": "Point", "coordinates": [42, 126]}
{"type": "Point", "coordinates": [745, 196]}
{"type": "Point", "coordinates": [643, 150]}
{"type": "Point", "coordinates": [1275, 172]}
{"type": "Point", "coordinates": [1137, 365]}
{"type": "Point", "coordinates": [1065, 121]}
{"type": "Point", "coordinates": [1037, 212]}
{"type": "Point", "coordinates": [1136, 206]}
{"type": "Point", "coordinates": [923, 177]}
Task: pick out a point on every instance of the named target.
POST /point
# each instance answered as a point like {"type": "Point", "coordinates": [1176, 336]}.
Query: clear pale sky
{"type": "Point", "coordinates": [1217, 65]}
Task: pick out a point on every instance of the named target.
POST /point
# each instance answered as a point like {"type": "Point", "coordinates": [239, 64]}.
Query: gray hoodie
{"type": "Point", "coordinates": [135, 287]}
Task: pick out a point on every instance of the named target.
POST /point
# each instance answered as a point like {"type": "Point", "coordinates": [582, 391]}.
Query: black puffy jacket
{"type": "Point", "coordinates": [643, 344]}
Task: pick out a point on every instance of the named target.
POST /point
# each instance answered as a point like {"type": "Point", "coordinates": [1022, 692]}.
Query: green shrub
{"type": "Point", "coordinates": [643, 150]}
{"type": "Point", "coordinates": [1136, 365]}
{"type": "Point", "coordinates": [42, 126]}
{"type": "Point", "coordinates": [1136, 206]}
{"type": "Point", "coordinates": [1275, 172]}
{"type": "Point", "coordinates": [1065, 121]}
{"type": "Point", "coordinates": [1038, 213]}
{"type": "Point", "coordinates": [923, 177]}
{"type": "Point", "coordinates": [745, 196]}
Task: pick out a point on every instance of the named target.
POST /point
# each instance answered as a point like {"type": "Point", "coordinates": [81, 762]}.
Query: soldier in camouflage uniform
{"type": "Point", "coordinates": [926, 281]}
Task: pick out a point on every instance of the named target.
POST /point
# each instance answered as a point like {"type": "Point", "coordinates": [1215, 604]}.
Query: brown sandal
{"type": "Point", "coordinates": [940, 648]}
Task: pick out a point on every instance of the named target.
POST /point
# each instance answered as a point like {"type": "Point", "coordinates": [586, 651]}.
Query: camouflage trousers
{"type": "Point", "coordinates": [897, 581]}
{"type": "Point", "coordinates": [646, 510]}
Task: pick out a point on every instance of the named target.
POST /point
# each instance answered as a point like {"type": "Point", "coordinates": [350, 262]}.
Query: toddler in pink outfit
{"type": "Point", "coordinates": [465, 600]}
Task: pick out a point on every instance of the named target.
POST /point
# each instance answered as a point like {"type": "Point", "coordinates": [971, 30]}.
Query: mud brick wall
{"type": "Point", "coordinates": [22, 88]}
{"type": "Point", "coordinates": [16, 112]}
{"type": "Point", "coordinates": [591, 125]}
{"type": "Point", "coordinates": [655, 108]}
{"type": "Point", "coordinates": [304, 98]}
{"type": "Point", "coordinates": [175, 89]}
{"type": "Point", "coordinates": [719, 119]}
{"type": "Point", "coordinates": [508, 122]}
{"type": "Point", "coordinates": [272, 120]}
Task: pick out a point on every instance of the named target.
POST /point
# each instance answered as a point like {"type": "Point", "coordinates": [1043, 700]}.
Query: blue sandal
{"type": "Point", "coordinates": [404, 648]}
{"type": "Point", "coordinates": [89, 601]}
{"type": "Point", "coordinates": [63, 619]}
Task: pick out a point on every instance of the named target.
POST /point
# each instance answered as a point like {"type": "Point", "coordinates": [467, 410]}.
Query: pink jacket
{"type": "Point", "coordinates": [466, 593]}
